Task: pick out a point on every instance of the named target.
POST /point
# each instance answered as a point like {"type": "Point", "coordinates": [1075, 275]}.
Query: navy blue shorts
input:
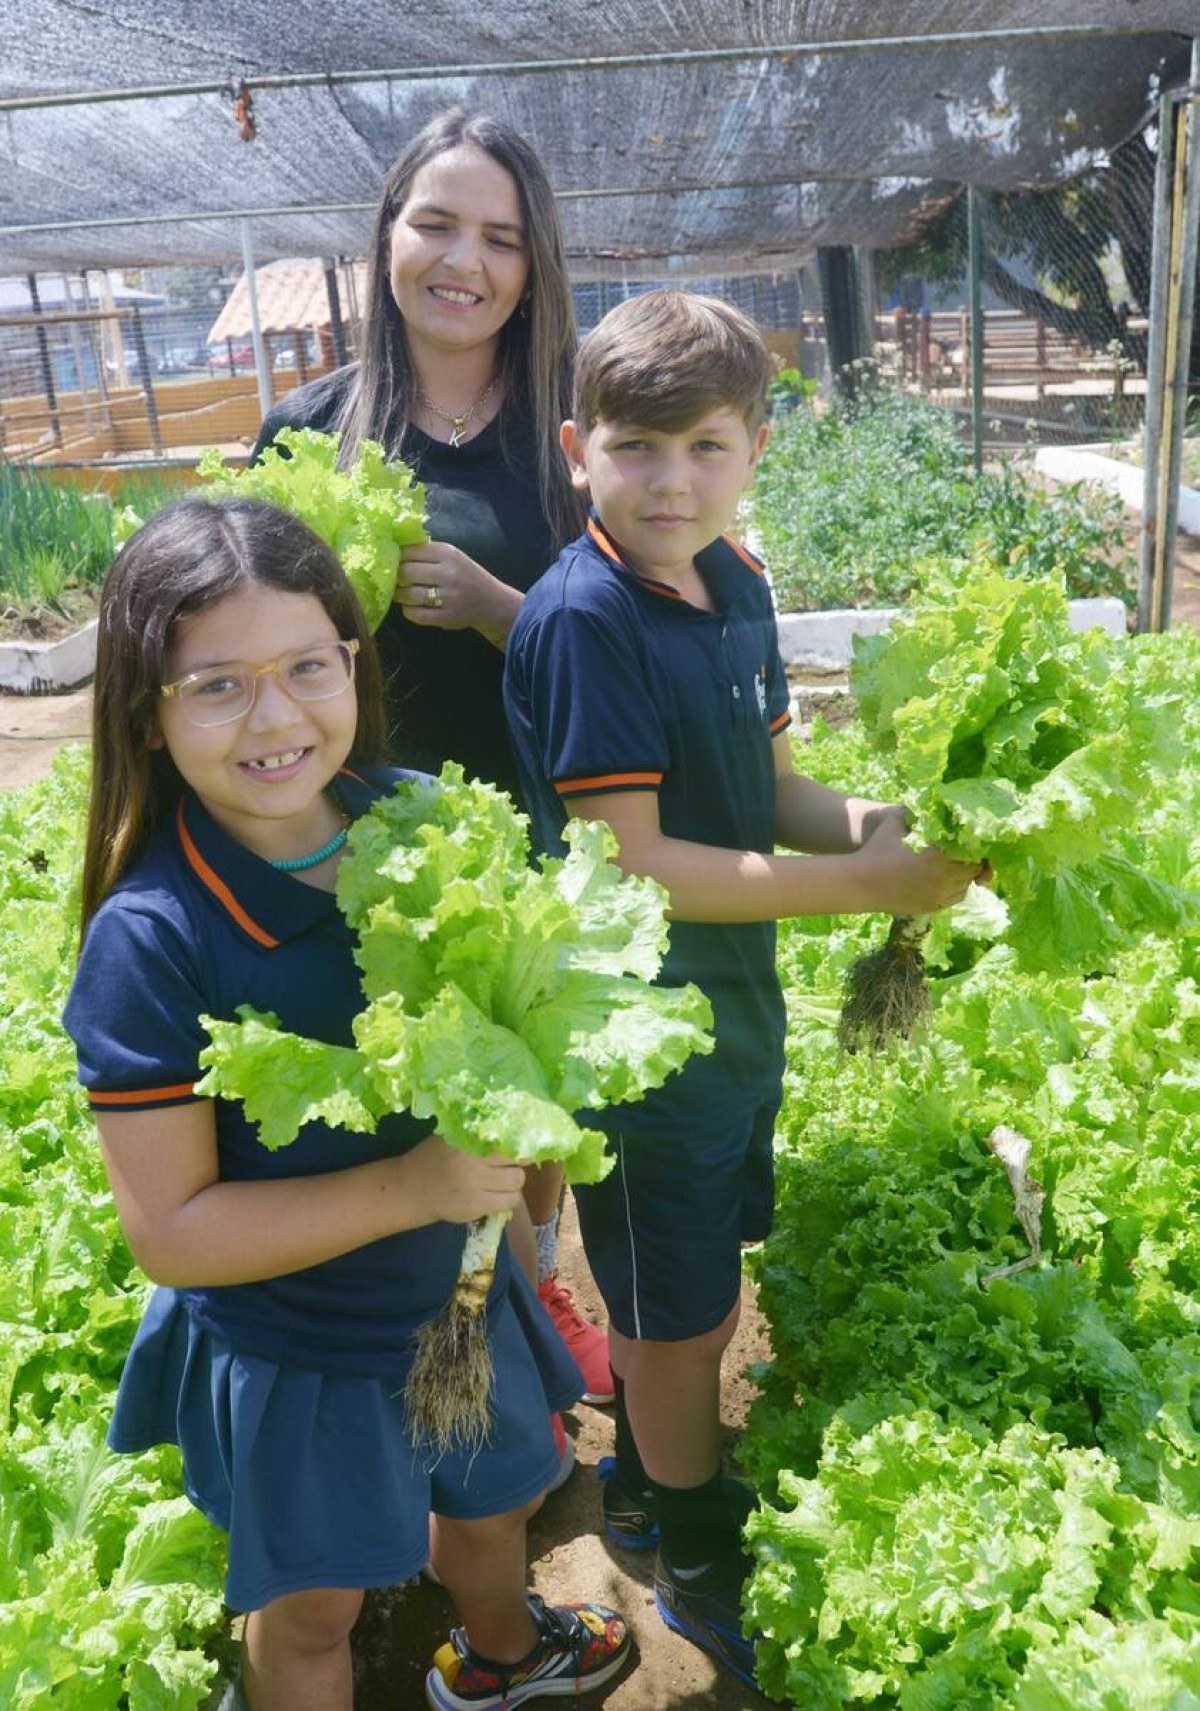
{"type": "Point", "coordinates": [663, 1232]}
{"type": "Point", "coordinates": [314, 1476]}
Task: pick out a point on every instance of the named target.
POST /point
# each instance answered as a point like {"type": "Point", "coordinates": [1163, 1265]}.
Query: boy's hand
{"type": "Point", "coordinates": [453, 1187]}
{"type": "Point", "coordinates": [902, 881]}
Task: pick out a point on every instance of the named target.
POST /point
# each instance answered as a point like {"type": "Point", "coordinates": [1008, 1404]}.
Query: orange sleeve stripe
{"type": "Point", "coordinates": [781, 724]}
{"type": "Point", "coordinates": [142, 1095]}
{"type": "Point", "coordinates": [610, 781]}
{"type": "Point", "coordinates": [220, 890]}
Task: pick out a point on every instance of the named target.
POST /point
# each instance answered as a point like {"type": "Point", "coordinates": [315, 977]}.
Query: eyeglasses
{"type": "Point", "coordinates": [227, 692]}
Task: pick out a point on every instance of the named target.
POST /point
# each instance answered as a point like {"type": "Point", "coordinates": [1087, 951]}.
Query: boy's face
{"type": "Point", "coordinates": [664, 496]}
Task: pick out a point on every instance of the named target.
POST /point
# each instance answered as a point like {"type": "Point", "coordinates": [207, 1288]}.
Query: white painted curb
{"type": "Point", "coordinates": [1088, 463]}
{"type": "Point", "coordinates": [826, 639]}
{"type": "Point", "coordinates": [45, 668]}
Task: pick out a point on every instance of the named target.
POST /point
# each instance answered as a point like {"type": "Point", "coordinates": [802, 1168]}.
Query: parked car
{"type": "Point", "coordinates": [219, 356]}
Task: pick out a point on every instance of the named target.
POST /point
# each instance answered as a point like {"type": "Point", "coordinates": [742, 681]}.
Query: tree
{"type": "Point", "coordinates": [1076, 257]}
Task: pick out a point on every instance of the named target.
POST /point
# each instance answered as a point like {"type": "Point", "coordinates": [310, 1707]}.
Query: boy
{"type": "Point", "coordinates": [644, 688]}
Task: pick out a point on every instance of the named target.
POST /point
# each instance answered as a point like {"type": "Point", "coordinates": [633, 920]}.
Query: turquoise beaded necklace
{"type": "Point", "coordinates": [299, 864]}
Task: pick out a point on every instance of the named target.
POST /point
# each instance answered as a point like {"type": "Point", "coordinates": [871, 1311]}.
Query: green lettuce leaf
{"type": "Point", "coordinates": [500, 998]}
{"type": "Point", "coordinates": [366, 513]}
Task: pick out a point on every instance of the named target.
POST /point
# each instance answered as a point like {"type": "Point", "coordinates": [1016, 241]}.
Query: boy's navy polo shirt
{"type": "Point", "coordinates": [200, 926]}
{"type": "Point", "coordinates": [615, 682]}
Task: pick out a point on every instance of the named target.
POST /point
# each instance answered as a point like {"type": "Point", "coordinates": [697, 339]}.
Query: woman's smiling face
{"type": "Point", "coordinates": [459, 257]}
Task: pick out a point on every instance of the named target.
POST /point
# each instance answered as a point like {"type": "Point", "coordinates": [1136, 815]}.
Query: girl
{"type": "Point", "coordinates": [467, 347]}
{"type": "Point", "coordinates": [236, 730]}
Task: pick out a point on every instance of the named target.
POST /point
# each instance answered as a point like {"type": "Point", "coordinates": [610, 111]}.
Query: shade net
{"type": "Point", "coordinates": [738, 164]}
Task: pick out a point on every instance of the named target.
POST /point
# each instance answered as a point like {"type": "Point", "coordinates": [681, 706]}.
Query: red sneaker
{"type": "Point", "coordinates": [587, 1342]}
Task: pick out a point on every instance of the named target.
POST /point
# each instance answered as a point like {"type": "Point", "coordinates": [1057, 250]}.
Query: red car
{"type": "Point", "coordinates": [242, 356]}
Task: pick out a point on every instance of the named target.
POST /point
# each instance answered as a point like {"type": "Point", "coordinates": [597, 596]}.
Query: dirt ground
{"type": "Point", "coordinates": [569, 1558]}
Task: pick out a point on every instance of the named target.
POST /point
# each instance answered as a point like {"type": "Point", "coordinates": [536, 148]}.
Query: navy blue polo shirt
{"type": "Point", "coordinates": [199, 926]}
{"type": "Point", "coordinates": [615, 682]}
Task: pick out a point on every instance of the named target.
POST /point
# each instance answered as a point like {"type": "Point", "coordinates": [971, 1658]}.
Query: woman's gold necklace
{"type": "Point", "coordinates": [458, 423]}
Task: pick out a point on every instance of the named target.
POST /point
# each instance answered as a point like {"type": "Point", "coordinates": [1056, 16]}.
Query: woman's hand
{"type": "Point", "coordinates": [455, 1188]}
{"type": "Point", "coordinates": [903, 881]}
{"type": "Point", "coordinates": [440, 587]}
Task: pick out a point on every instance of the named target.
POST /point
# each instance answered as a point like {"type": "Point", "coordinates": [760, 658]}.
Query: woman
{"type": "Point", "coordinates": [467, 348]}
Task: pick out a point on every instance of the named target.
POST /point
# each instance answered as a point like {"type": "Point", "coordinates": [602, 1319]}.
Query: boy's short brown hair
{"type": "Point", "coordinates": [664, 359]}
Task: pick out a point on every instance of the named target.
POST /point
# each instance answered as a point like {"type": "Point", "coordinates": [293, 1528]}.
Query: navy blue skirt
{"type": "Point", "coordinates": [314, 1476]}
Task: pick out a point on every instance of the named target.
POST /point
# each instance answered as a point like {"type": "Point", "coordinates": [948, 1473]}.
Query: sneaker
{"type": "Point", "coordinates": [630, 1519]}
{"type": "Point", "coordinates": [705, 1606]}
{"type": "Point", "coordinates": [587, 1343]}
{"type": "Point", "coordinates": [579, 1646]}
{"type": "Point", "coordinates": [566, 1454]}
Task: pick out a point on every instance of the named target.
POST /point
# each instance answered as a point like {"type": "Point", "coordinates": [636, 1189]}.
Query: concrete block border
{"type": "Point", "coordinates": [825, 640]}
{"type": "Point", "coordinates": [48, 668]}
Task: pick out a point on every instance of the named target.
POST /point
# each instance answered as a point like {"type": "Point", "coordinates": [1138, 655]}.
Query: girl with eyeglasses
{"type": "Point", "coordinates": [238, 729]}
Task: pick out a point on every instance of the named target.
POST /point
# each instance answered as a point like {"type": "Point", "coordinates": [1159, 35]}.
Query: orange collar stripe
{"type": "Point", "coordinates": [606, 546]}
{"type": "Point", "coordinates": [219, 888]}
{"type": "Point", "coordinates": [142, 1095]}
{"type": "Point", "coordinates": [746, 558]}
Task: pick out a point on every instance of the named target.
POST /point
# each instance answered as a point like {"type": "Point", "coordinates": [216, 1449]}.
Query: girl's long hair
{"type": "Point", "coordinates": [184, 558]}
{"type": "Point", "coordinates": [537, 343]}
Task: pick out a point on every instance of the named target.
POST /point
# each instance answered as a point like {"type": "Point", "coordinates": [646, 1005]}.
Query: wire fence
{"type": "Point", "coordinates": [1065, 276]}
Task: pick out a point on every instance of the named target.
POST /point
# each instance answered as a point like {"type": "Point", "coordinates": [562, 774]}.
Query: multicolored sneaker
{"type": "Point", "coordinates": [587, 1343]}
{"type": "Point", "coordinates": [705, 1605]}
{"type": "Point", "coordinates": [630, 1519]}
{"type": "Point", "coordinates": [579, 1646]}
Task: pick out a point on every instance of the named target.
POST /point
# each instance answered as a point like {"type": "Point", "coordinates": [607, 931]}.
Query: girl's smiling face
{"type": "Point", "coordinates": [262, 776]}
{"type": "Point", "coordinates": [459, 257]}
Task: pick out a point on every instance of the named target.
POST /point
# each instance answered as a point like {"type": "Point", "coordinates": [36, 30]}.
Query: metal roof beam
{"type": "Point", "coordinates": [597, 62]}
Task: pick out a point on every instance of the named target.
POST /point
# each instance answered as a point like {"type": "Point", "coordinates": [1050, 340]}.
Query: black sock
{"type": "Point", "coordinates": [630, 1471]}
{"type": "Point", "coordinates": [699, 1524]}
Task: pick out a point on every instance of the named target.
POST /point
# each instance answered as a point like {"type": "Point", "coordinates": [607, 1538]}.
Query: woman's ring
{"type": "Point", "coordinates": [433, 596]}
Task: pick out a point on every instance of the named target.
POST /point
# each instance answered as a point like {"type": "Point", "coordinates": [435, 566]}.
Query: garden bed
{"type": "Point", "coordinates": [1116, 471]}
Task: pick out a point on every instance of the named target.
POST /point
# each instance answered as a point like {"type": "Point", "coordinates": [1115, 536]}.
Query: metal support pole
{"type": "Point", "coordinates": [1181, 297]}
{"type": "Point", "coordinates": [868, 296]}
{"type": "Point", "coordinates": [143, 361]}
{"type": "Point", "coordinates": [336, 331]}
{"type": "Point", "coordinates": [974, 268]}
{"type": "Point", "coordinates": [47, 367]}
{"type": "Point", "coordinates": [1156, 367]}
{"type": "Point", "coordinates": [1172, 293]}
{"type": "Point", "coordinates": [262, 372]}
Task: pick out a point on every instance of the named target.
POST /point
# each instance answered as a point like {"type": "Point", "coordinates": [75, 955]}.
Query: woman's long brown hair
{"type": "Point", "coordinates": [537, 344]}
{"type": "Point", "coordinates": [184, 558]}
